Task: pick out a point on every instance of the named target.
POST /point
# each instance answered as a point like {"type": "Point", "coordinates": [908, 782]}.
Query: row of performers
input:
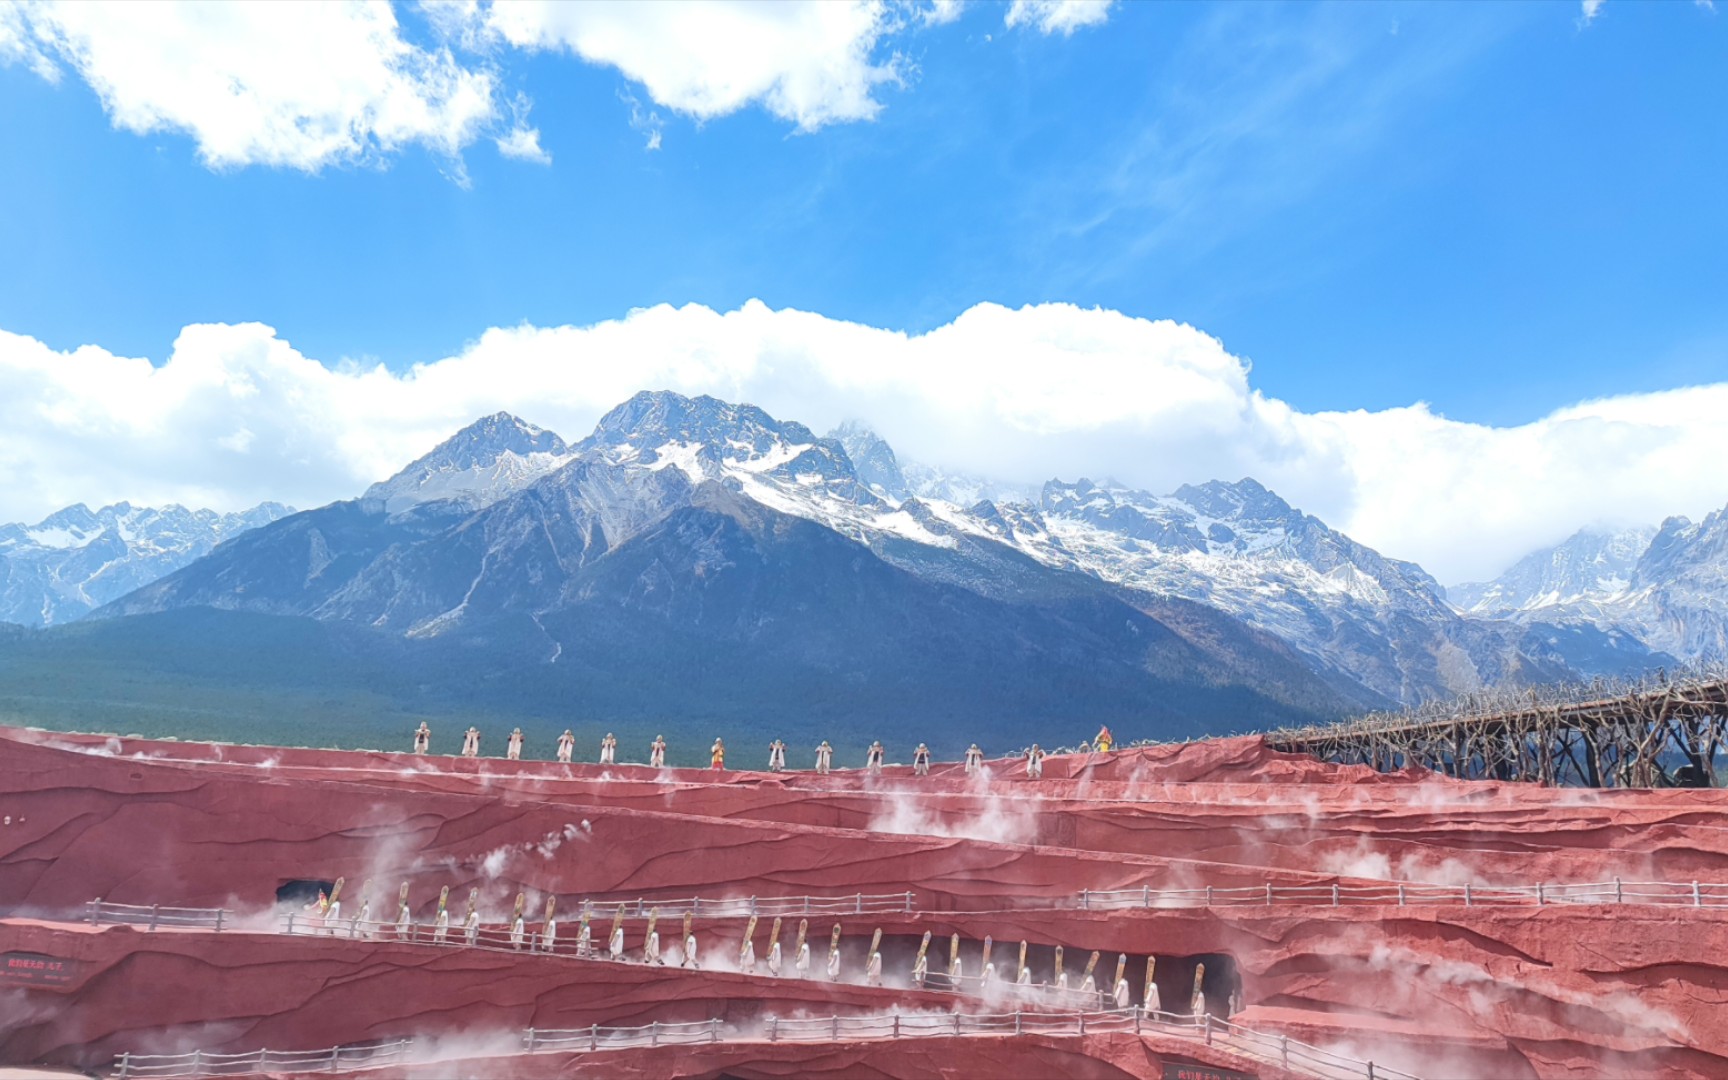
{"type": "Point", "coordinates": [873, 761]}
{"type": "Point", "coordinates": [326, 914]}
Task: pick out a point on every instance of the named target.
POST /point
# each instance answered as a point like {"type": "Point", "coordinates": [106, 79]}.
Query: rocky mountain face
{"type": "Point", "coordinates": [1665, 589]}
{"type": "Point", "coordinates": [477, 466]}
{"type": "Point", "coordinates": [684, 530]}
{"type": "Point", "coordinates": [1590, 566]}
{"type": "Point", "coordinates": [691, 543]}
{"type": "Point", "coordinates": [78, 559]}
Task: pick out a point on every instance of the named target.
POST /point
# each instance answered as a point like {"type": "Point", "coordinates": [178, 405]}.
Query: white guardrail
{"type": "Point", "coordinates": [1666, 893]}
{"type": "Point", "coordinates": [97, 912]}
{"type": "Point", "coordinates": [1289, 1053]}
{"type": "Point", "coordinates": [566, 944]}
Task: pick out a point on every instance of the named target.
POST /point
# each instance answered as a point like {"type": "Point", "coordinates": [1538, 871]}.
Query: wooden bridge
{"type": "Point", "coordinates": [1662, 732]}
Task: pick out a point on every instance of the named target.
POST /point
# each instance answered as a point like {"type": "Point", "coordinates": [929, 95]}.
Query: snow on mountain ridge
{"type": "Point", "coordinates": [77, 559]}
{"type": "Point", "coordinates": [480, 464]}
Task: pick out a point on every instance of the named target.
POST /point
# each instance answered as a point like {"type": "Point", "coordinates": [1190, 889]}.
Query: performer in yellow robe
{"type": "Point", "coordinates": [717, 755]}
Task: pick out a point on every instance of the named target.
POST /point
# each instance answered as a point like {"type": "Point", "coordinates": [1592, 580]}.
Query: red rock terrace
{"type": "Point", "coordinates": [1208, 910]}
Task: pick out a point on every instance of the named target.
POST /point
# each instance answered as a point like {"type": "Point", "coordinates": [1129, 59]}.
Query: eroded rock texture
{"type": "Point", "coordinates": [1550, 990]}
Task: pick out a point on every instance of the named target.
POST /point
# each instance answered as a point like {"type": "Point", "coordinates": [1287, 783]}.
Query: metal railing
{"type": "Point", "coordinates": [1291, 1054]}
{"type": "Point", "coordinates": [97, 912]}
{"type": "Point", "coordinates": [202, 1063]}
{"type": "Point", "coordinates": [1406, 893]}
{"type": "Point", "coordinates": [567, 945]}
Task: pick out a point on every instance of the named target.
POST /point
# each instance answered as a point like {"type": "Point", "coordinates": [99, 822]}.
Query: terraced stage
{"type": "Point", "coordinates": [1433, 927]}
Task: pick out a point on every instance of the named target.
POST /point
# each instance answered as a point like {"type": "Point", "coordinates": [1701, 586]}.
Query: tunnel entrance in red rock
{"type": "Point", "coordinates": [300, 892]}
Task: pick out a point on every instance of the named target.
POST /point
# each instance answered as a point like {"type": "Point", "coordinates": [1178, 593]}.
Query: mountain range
{"type": "Point", "coordinates": [693, 557]}
{"type": "Point", "coordinates": [78, 559]}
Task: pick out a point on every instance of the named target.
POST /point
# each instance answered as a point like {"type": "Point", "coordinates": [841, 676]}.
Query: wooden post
{"type": "Point", "coordinates": [530, 1040]}
{"type": "Point", "coordinates": [125, 1065]}
{"type": "Point", "coordinates": [197, 1062]}
{"type": "Point", "coordinates": [654, 1033]}
{"type": "Point", "coordinates": [1208, 896]}
{"type": "Point", "coordinates": [1208, 1026]}
{"type": "Point", "coordinates": [859, 903]}
{"type": "Point", "coordinates": [219, 913]}
{"type": "Point", "coordinates": [714, 1030]}
{"type": "Point", "coordinates": [1619, 893]}
{"type": "Point", "coordinates": [335, 1058]}
{"type": "Point", "coordinates": [1334, 894]}
{"type": "Point", "coordinates": [155, 910]}
{"type": "Point", "coordinates": [1083, 900]}
{"type": "Point", "coordinates": [896, 1033]}
{"type": "Point", "coordinates": [1284, 1050]}
{"type": "Point", "coordinates": [1400, 894]}
{"type": "Point", "coordinates": [1466, 894]}
{"type": "Point", "coordinates": [908, 901]}
{"type": "Point", "coordinates": [1145, 896]}
{"type": "Point", "coordinates": [1268, 894]}
{"type": "Point", "coordinates": [290, 922]}
{"type": "Point", "coordinates": [594, 1037]}
{"type": "Point", "coordinates": [1697, 898]}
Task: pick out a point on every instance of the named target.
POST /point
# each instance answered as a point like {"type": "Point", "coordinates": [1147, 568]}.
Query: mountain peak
{"type": "Point", "coordinates": [481, 463]}
{"type": "Point", "coordinates": [875, 461]}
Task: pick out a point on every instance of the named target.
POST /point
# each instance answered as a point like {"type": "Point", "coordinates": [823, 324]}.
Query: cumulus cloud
{"type": "Point", "coordinates": [296, 85]}
{"type": "Point", "coordinates": [1590, 9]}
{"type": "Point", "coordinates": [1061, 16]}
{"type": "Point", "coordinates": [812, 62]}
{"type": "Point", "coordinates": [235, 415]}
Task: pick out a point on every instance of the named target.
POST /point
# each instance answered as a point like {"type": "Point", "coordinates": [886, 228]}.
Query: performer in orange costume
{"type": "Point", "coordinates": [717, 755]}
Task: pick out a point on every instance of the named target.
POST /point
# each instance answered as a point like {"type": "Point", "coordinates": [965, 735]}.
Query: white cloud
{"type": "Point", "coordinates": [236, 415]}
{"type": "Point", "coordinates": [1060, 16]}
{"type": "Point", "coordinates": [940, 12]}
{"type": "Point", "coordinates": [297, 85]}
{"type": "Point", "coordinates": [811, 62]}
{"type": "Point", "coordinates": [1591, 9]}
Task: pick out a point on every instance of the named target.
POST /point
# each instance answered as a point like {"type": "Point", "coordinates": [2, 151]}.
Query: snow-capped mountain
{"type": "Point", "coordinates": [78, 559]}
{"type": "Point", "coordinates": [1593, 565]}
{"type": "Point", "coordinates": [546, 539]}
{"type": "Point", "coordinates": [476, 467]}
{"type": "Point", "coordinates": [885, 474]}
{"type": "Point", "coordinates": [692, 553]}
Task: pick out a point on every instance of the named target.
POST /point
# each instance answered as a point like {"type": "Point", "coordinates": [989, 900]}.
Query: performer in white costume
{"type": "Point", "coordinates": [549, 927]}
{"type": "Point", "coordinates": [921, 965]}
{"type": "Point", "coordinates": [974, 760]}
{"type": "Point", "coordinates": [513, 750]}
{"type": "Point", "coordinates": [1124, 997]}
{"type": "Point", "coordinates": [471, 743]}
{"type": "Point", "coordinates": [615, 946]}
{"type": "Point", "coordinates": [834, 955]}
{"type": "Point", "coordinates": [873, 760]}
{"type": "Point", "coordinates": [404, 918]}
{"type": "Point", "coordinates": [1197, 1003]}
{"type": "Point", "coordinates": [824, 758]}
{"type": "Point", "coordinates": [566, 746]}
{"type": "Point", "coordinates": [608, 749]}
{"type": "Point", "coordinates": [689, 945]}
{"type": "Point", "coordinates": [1151, 999]}
{"type": "Point", "coordinates": [333, 907]}
{"type": "Point", "coordinates": [873, 967]}
{"type": "Point", "coordinates": [358, 926]}
{"type": "Point", "coordinates": [441, 921]}
{"type": "Point", "coordinates": [422, 738]}
{"type": "Point", "coordinates": [1035, 762]}
{"type": "Point", "coordinates": [657, 753]}
{"type": "Point", "coordinates": [776, 756]}
{"type": "Point", "coordinates": [747, 951]}
{"type": "Point", "coordinates": [921, 760]}
{"type": "Point", "coordinates": [651, 940]}
{"type": "Point", "coordinates": [801, 951]}
{"type": "Point", "coordinates": [471, 922]}
{"type": "Point", "coordinates": [518, 925]}
{"type": "Point", "coordinates": [1061, 977]}
{"type": "Point", "coordinates": [585, 933]}
{"type": "Point", "coordinates": [774, 949]}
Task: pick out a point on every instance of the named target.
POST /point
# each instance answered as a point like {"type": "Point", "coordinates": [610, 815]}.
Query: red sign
{"type": "Point", "coordinates": [24, 967]}
{"type": "Point", "coordinates": [1176, 1070]}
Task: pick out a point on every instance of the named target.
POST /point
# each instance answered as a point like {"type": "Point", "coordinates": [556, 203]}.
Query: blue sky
{"type": "Point", "coordinates": [1499, 210]}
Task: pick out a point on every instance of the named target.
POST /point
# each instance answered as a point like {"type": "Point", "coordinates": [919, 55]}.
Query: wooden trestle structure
{"type": "Point", "coordinates": [1662, 732]}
